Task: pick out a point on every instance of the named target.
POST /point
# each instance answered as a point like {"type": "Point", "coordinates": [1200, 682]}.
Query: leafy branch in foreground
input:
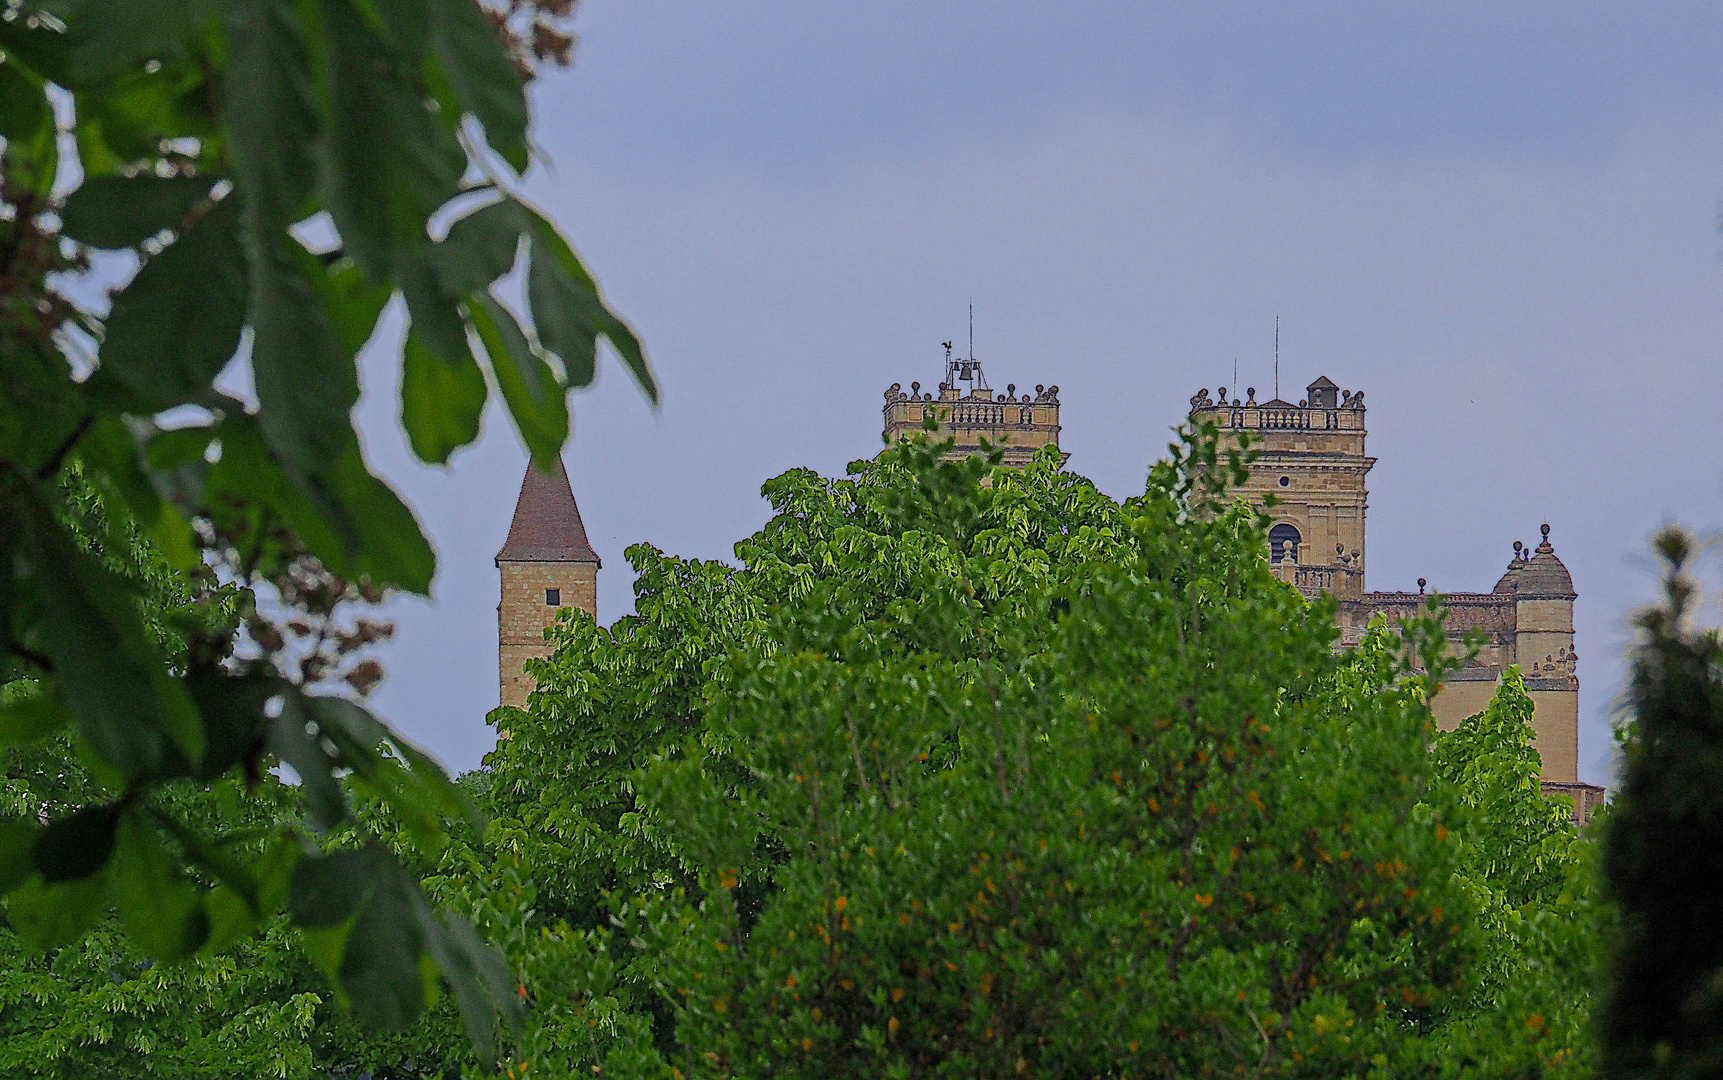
{"type": "Point", "coordinates": [277, 172]}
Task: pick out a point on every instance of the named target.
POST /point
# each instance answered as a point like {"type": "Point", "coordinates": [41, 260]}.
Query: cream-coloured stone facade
{"type": "Point", "coordinates": [532, 594]}
{"type": "Point", "coordinates": [1310, 456]}
{"type": "Point", "coordinates": [1018, 425]}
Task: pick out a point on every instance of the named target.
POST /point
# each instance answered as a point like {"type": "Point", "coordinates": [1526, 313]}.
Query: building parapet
{"type": "Point", "coordinates": [1017, 424]}
{"type": "Point", "coordinates": [1326, 409]}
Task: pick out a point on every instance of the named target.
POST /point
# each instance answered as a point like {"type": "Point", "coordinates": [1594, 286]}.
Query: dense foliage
{"type": "Point", "coordinates": [1664, 1015]}
{"type": "Point", "coordinates": [972, 772]}
{"type": "Point", "coordinates": [791, 815]}
{"type": "Point", "coordinates": [266, 176]}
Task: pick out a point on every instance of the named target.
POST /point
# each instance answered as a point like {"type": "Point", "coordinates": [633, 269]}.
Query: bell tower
{"type": "Point", "coordinates": [1310, 457]}
{"type": "Point", "coordinates": [1017, 424]}
{"type": "Point", "coordinates": [546, 564]}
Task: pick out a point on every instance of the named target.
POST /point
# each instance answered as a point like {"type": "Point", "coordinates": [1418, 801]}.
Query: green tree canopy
{"type": "Point", "coordinates": [970, 771]}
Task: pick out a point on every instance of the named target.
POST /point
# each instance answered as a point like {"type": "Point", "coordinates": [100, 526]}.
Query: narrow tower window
{"type": "Point", "coordinates": [553, 598]}
{"type": "Point", "coordinates": [1283, 543]}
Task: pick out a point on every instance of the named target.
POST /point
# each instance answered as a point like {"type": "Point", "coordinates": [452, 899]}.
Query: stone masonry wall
{"type": "Point", "coordinates": [523, 615]}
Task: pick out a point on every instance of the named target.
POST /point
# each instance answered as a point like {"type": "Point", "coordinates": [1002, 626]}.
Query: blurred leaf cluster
{"type": "Point", "coordinates": [266, 177]}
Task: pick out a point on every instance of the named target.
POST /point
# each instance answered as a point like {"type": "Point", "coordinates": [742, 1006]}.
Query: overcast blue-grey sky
{"type": "Point", "coordinates": [1499, 220]}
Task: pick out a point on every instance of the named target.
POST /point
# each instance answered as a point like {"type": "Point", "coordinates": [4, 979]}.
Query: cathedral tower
{"type": "Point", "coordinates": [546, 564]}
{"type": "Point", "coordinates": [1018, 424]}
{"type": "Point", "coordinates": [1310, 457]}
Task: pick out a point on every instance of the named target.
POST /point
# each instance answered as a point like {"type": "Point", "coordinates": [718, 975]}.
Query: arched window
{"type": "Point", "coordinates": [1283, 542]}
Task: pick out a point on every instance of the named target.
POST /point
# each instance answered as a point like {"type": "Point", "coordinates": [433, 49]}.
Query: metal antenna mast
{"type": "Point", "coordinates": [969, 370]}
{"type": "Point", "coordinates": [1277, 358]}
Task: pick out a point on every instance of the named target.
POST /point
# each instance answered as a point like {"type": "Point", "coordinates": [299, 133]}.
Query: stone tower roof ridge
{"type": "Point", "coordinates": [1322, 382]}
{"type": "Point", "coordinates": [1546, 575]}
{"type": "Point", "coordinates": [546, 525]}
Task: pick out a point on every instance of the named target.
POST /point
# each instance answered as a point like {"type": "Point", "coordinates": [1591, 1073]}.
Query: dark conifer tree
{"type": "Point", "coordinates": [1663, 852]}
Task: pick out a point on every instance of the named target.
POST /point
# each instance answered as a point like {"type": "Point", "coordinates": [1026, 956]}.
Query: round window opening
{"type": "Point", "coordinates": [1285, 481]}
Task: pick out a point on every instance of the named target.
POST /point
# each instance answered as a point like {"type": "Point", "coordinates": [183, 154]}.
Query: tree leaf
{"type": "Point", "coordinates": [342, 514]}
{"type": "Point", "coordinates": [415, 786]}
{"type": "Point", "coordinates": [51, 916]}
{"type": "Point", "coordinates": [479, 248]}
{"type": "Point", "coordinates": [580, 285]}
{"type": "Point", "coordinates": [17, 839]}
{"type": "Point", "coordinates": [381, 969]}
{"type": "Point", "coordinates": [177, 323]}
{"type": "Point", "coordinates": [32, 718]}
{"type": "Point", "coordinates": [483, 76]}
{"type": "Point", "coordinates": [306, 381]}
{"type": "Point", "coordinates": [232, 709]}
{"type": "Point", "coordinates": [178, 469]}
{"type": "Point", "coordinates": [477, 973]}
{"type": "Point", "coordinates": [44, 50]}
{"type": "Point", "coordinates": [23, 104]}
{"type": "Point", "coordinates": [360, 904]}
{"type": "Point", "coordinates": [230, 919]}
{"type": "Point", "coordinates": [388, 164]}
{"type": "Point", "coordinates": [567, 316]}
{"type": "Point", "coordinates": [436, 317]}
{"type": "Point", "coordinates": [124, 211]}
{"type": "Point", "coordinates": [535, 399]}
{"type": "Point", "coordinates": [325, 802]}
{"type": "Point", "coordinates": [352, 303]}
{"type": "Point", "coordinates": [387, 544]}
{"type": "Point", "coordinates": [271, 120]}
{"type": "Point", "coordinates": [32, 134]}
{"type": "Point", "coordinates": [327, 889]}
{"type": "Point", "coordinates": [443, 391]}
{"type": "Point", "coordinates": [75, 847]}
{"type": "Point", "coordinates": [109, 37]}
{"type": "Point", "coordinates": [442, 406]}
{"type": "Point", "coordinates": [159, 907]}
{"type": "Point", "coordinates": [118, 688]}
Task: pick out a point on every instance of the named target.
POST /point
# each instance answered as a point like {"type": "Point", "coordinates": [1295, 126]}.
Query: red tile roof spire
{"type": "Point", "coordinates": [546, 525]}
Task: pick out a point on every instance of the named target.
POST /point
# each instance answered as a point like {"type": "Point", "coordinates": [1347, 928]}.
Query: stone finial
{"type": "Point", "coordinates": [1250, 395]}
{"type": "Point", "coordinates": [1545, 548]}
{"type": "Point", "coordinates": [1421, 584]}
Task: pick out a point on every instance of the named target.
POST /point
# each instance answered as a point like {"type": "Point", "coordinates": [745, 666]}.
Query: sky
{"type": "Point", "coordinates": [1498, 220]}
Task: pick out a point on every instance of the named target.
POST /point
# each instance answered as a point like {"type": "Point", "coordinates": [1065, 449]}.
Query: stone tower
{"type": "Point", "coordinates": [1019, 424]}
{"type": "Point", "coordinates": [546, 564]}
{"type": "Point", "coordinates": [1311, 457]}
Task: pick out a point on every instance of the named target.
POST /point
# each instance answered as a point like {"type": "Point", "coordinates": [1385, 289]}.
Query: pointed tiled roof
{"type": "Point", "coordinates": [546, 525]}
{"type": "Point", "coordinates": [1323, 382]}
